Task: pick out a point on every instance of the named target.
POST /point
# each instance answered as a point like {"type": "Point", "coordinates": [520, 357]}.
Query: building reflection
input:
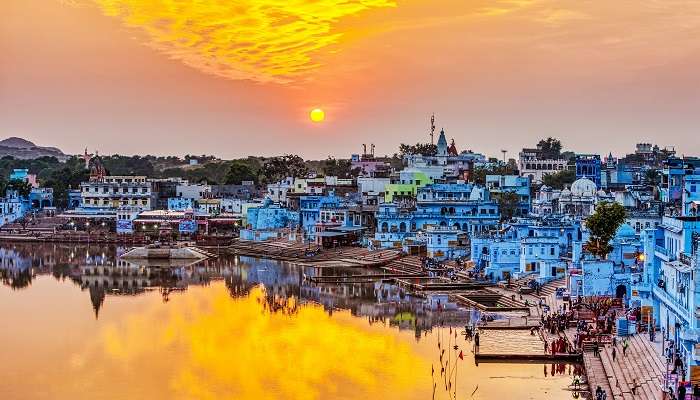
{"type": "Point", "coordinates": [99, 271]}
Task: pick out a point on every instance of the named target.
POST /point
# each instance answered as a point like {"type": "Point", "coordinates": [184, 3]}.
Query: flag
{"type": "Point", "coordinates": [432, 370]}
{"type": "Point", "coordinates": [461, 355]}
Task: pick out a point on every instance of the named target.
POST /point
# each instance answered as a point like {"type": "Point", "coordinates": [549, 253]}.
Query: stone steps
{"type": "Point", "coordinates": [642, 363]}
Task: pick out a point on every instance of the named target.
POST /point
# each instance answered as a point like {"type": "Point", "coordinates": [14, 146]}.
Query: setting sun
{"type": "Point", "coordinates": [317, 115]}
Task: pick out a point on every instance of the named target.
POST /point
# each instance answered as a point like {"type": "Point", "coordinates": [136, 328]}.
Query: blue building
{"type": "Point", "coordinates": [520, 185]}
{"type": "Point", "coordinates": [667, 287]}
{"type": "Point", "coordinates": [321, 208]}
{"type": "Point", "coordinates": [180, 203]}
{"type": "Point", "coordinates": [461, 206]}
{"type": "Point", "coordinates": [269, 221]}
{"type": "Point", "coordinates": [12, 207]}
{"type": "Point", "coordinates": [588, 166]}
{"type": "Point", "coordinates": [445, 242]}
{"type": "Point", "coordinates": [528, 246]}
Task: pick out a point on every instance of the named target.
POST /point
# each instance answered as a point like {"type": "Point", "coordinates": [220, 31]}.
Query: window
{"type": "Point", "coordinates": [551, 251]}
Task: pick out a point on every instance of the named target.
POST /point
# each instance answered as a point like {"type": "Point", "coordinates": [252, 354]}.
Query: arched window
{"type": "Point", "coordinates": [385, 227]}
{"type": "Point", "coordinates": [443, 224]}
{"type": "Point", "coordinates": [402, 227]}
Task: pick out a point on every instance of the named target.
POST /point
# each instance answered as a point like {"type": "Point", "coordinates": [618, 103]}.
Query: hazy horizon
{"type": "Point", "coordinates": [169, 78]}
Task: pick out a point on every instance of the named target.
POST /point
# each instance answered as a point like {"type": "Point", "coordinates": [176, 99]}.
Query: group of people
{"type": "Point", "coordinates": [556, 323]}
{"type": "Point", "coordinates": [557, 346]}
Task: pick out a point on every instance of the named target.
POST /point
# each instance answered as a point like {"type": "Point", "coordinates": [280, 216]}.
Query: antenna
{"type": "Point", "coordinates": [432, 129]}
{"type": "Point", "coordinates": [372, 145]}
{"type": "Point", "coordinates": [364, 151]}
{"type": "Point", "coordinates": [504, 155]}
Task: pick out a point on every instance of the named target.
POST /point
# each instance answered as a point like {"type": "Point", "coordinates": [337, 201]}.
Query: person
{"type": "Point", "coordinates": [595, 349]}
{"type": "Point", "coordinates": [625, 345]}
{"type": "Point", "coordinates": [599, 393]}
{"type": "Point", "coordinates": [546, 345]}
{"type": "Point", "coordinates": [614, 341]}
{"type": "Point", "coordinates": [681, 391]}
{"type": "Point", "coordinates": [634, 386]}
{"type": "Point", "coordinates": [476, 339]}
{"type": "Point", "coordinates": [614, 353]}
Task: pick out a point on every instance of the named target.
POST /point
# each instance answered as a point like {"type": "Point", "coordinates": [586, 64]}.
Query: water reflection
{"type": "Point", "coordinates": [229, 328]}
{"type": "Point", "coordinates": [99, 271]}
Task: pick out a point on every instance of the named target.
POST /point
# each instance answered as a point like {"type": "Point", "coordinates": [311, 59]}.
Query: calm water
{"type": "Point", "coordinates": [80, 324]}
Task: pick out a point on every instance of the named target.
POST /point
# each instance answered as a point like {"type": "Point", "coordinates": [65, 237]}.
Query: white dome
{"type": "Point", "coordinates": [565, 193]}
{"type": "Point", "coordinates": [583, 187]}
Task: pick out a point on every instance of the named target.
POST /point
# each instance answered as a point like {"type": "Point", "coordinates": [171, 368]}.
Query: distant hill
{"type": "Point", "coordinates": [25, 150]}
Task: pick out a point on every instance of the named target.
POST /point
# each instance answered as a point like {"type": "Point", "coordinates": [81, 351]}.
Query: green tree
{"type": "Point", "coordinates": [652, 177]}
{"type": "Point", "coordinates": [277, 168]}
{"type": "Point", "coordinates": [560, 179]}
{"type": "Point", "coordinates": [23, 187]}
{"type": "Point", "coordinates": [425, 149]}
{"type": "Point", "coordinates": [508, 205]}
{"type": "Point", "coordinates": [603, 225]}
{"type": "Point", "coordinates": [478, 175]}
{"type": "Point", "coordinates": [239, 172]}
{"type": "Point", "coordinates": [340, 168]}
{"type": "Point", "coordinates": [550, 147]}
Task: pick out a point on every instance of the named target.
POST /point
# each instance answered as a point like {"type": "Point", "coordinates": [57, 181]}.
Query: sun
{"type": "Point", "coordinates": [317, 115]}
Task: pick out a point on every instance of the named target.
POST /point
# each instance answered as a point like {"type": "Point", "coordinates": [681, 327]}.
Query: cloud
{"type": "Point", "coordinates": [258, 40]}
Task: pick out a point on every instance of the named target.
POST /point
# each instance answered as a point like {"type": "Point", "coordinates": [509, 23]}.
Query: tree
{"type": "Point", "coordinates": [424, 149]}
{"type": "Point", "coordinates": [339, 168]}
{"type": "Point", "coordinates": [277, 168]}
{"type": "Point", "coordinates": [22, 187]}
{"type": "Point", "coordinates": [603, 225]}
{"type": "Point", "coordinates": [652, 177]}
{"type": "Point", "coordinates": [478, 175]}
{"type": "Point", "coordinates": [239, 172]}
{"type": "Point", "coordinates": [560, 179]}
{"type": "Point", "coordinates": [508, 205]}
{"type": "Point", "coordinates": [550, 147]}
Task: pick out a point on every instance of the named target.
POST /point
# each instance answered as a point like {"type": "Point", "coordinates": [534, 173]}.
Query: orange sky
{"type": "Point", "coordinates": [238, 78]}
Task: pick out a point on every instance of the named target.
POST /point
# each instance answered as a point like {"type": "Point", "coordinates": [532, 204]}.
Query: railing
{"type": "Point", "coordinates": [686, 259]}
{"type": "Point", "coordinates": [665, 252]}
{"type": "Point", "coordinates": [675, 303]}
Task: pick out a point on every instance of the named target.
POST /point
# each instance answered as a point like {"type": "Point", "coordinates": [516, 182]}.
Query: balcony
{"type": "Point", "coordinates": [670, 301]}
{"type": "Point", "coordinates": [686, 259]}
{"type": "Point", "coordinates": [664, 253]}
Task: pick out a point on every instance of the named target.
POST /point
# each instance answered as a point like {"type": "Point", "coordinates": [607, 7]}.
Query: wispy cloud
{"type": "Point", "coordinates": [258, 40]}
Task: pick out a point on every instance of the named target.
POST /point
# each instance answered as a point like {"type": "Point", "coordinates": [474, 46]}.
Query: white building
{"type": "Point", "coordinates": [112, 192]}
{"type": "Point", "coordinates": [193, 191]}
{"type": "Point", "coordinates": [277, 192]}
{"type": "Point", "coordinates": [533, 165]}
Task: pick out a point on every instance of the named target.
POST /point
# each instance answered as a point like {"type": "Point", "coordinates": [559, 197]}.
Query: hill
{"type": "Point", "coordinates": [25, 150]}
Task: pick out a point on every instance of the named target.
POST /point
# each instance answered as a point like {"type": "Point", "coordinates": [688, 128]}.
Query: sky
{"type": "Point", "coordinates": [238, 78]}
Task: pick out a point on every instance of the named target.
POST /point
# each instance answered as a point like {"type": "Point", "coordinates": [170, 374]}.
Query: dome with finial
{"type": "Point", "coordinates": [625, 231]}
{"type": "Point", "coordinates": [583, 187]}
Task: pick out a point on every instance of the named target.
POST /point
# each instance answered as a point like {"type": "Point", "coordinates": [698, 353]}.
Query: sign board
{"type": "Point", "coordinates": [188, 226]}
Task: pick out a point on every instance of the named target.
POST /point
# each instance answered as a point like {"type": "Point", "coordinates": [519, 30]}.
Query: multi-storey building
{"type": "Point", "coordinates": [462, 206]}
{"type": "Point", "coordinates": [112, 192]}
{"type": "Point", "coordinates": [533, 163]}
{"type": "Point", "coordinates": [519, 185]}
{"type": "Point", "coordinates": [588, 166]}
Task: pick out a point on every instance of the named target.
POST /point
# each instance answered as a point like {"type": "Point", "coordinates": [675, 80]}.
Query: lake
{"type": "Point", "coordinates": [79, 323]}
